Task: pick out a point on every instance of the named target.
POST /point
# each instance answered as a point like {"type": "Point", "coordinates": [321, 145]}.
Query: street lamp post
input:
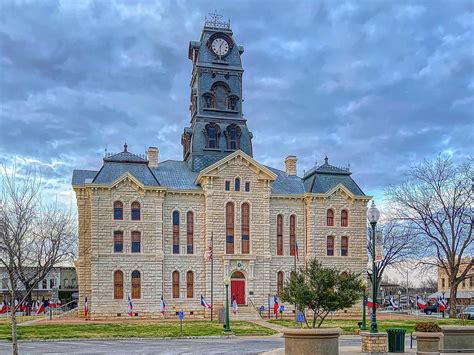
{"type": "Point", "coordinates": [227, 316]}
{"type": "Point", "coordinates": [364, 324]}
{"type": "Point", "coordinates": [373, 215]}
{"type": "Point", "coordinates": [400, 300]}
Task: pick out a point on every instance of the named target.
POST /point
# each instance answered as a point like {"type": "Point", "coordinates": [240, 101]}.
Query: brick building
{"type": "Point", "coordinates": [145, 225]}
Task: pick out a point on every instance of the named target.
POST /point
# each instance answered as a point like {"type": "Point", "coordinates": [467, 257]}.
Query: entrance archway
{"type": "Point", "coordinates": [237, 287]}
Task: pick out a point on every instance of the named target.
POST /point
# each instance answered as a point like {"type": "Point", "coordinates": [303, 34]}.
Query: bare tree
{"type": "Point", "coordinates": [34, 236]}
{"type": "Point", "coordinates": [436, 201]}
{"type": "Point", "coordinates": [397, 247]}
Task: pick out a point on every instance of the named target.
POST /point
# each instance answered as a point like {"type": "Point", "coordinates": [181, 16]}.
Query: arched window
{"type": "Point", "coordinates": [136, 284]}
{"type": "Point", "coordinates": [237, 184]}
{"type": "Point", "coordinates": [118, 285]}
{"type": "Point", "coordinates": [229, 222]}
{"type": "Point", "coordinates": [118, 241]}
{"type": "Point", "coordinates": [245, 215]}
{"type": "Point", "coordinates": [232, 102]}
{"type": "Point", "coordinates": [212, 132]}
{"type": "Point", "coordinates": [330, 246]}
{"type": "Point", "coordinates": [175, 277]}
{"type": "Point", "coordinates": [45, 284]}
{"type": "Point", "coordinates": [135, 211]}
{"type": "Point", "coordinates": [209, 101]}
{"type": "Point", "coordinates": [292, 234]}
{"type": "Point", "coordinates": [344, 218]}
{"type": "Point", "coordinates": [190, 232]}
{"type": "Point", "coordinates": [344, 246]}
{"type": "Point", "coordinates": [279, 234]}
{"type": "Point", "coordinates": [118, 210]}
{"type": "Point", "coordinates": [136, 241]}
{"type": "Point", "coordinates": [280, 282]}
{"type": "Point", "coordinates": [232, 134]}
{"type": "Point", "coordinates": [175, 232]}
{"type": "Point", "coordinates": [189, 284]}
{"type": "Point", "coordinates": [330, 218]}
{"type": "Point", "coordinates": [220, 91]}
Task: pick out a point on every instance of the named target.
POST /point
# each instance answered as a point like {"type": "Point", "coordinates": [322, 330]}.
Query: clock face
{"type": "Point", "coordinates": [220, 46]}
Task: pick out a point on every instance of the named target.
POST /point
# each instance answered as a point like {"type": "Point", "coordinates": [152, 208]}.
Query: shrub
{"type": "Point", "coordinates": [428, 327]}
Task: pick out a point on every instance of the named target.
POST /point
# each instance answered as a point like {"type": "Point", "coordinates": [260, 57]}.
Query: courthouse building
{"type": "Point", "coordinates": [146, 224]}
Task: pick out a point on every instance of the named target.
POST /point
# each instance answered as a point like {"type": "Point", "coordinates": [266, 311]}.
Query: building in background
{"type": "Point", "coordinates": [465, 293]}
{"type": "Point", "coordinates": [148, 228]}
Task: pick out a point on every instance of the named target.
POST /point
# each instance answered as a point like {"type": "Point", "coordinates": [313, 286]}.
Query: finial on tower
{"type": "Point", "coordinates": [326, 160]}
{"type": "Point", "coordinates": [125, 147]}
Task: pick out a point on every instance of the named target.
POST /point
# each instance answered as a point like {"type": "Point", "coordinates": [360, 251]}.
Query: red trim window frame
{"type": "Point", "coordinates": [279, 234]}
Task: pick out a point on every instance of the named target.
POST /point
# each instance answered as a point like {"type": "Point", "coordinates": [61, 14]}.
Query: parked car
{"type": "Point", "coordinates": [467, 313]}
{"type": "Point", "coordinates": [388, 309]}
{"type": "Point", "coordinates": [432, 308]}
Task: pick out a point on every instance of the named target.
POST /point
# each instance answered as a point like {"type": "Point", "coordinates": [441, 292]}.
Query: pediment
{"type": "Point", "coordinates": [341, 190]}
{"type": "Point", "coordinates": [127, 180]}
{"type": "Point", "coordinates": [237, 158]}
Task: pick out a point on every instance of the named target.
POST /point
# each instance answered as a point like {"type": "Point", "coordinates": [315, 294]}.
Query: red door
{"type": "Point", "coordinates": [237, 289]}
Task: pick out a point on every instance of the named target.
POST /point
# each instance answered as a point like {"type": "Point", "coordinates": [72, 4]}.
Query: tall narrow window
{"type": "Point", "coordinates": [247, 186]}
{"type": "Point", "coordinates": [136, 284]}
{"type": "Point", "coordinates": [344, 246]}
{"type": "Point", "coordinates": [189, 284]}
{"type": "Point", "coordinates": [135, 211]}
{"type": "Point", "coordinates": [118, 241]}
{"type": "Point", "coordinates": [212, 132]}
{"type": "Point", "coordinates": [175, 284]}
{"type": "Point", "coordinates": [245, 215]}
{"type": "Point", "coordinates": [118, 285]}
{"type": "Point", "coordinates": [280, 282]}
{"type": "Point", "coordinates": [237, 184]}
{"type": "Point", "coordinates": [292, 234]}
{"type": "Point", "coordinates": [229, 221]}
{"type": "Point", "coordinates": [175, 232]}
{"type": "Point", "coordinates": [279, 234]}
{"type": "Point", "coordinates": [232, 134]}
{"type": "Point", "coordinates": [344, 218]}
{"type": "Point", "coordinates": [136, 241]}
{"type": "Point", "coordinates": [443, 282]}
{"type": "Point", "coordinates": [330, 218]}
{"type": "Point", "coordinates": [227, 185]}
{"type": "Point", "coordinates": [190, 232]}
{"type": "Point", "coordinates": [118, 210]}
{"type": "Point", "coordinates": [220, 92]}
{"type": "Point", "coordinates": [330, 246]}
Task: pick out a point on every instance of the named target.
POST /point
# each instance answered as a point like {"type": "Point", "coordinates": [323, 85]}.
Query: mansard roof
{"type": "Point", "coordinates": [177, 175]}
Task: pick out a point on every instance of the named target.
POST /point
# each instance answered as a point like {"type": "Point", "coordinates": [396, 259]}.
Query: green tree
{"type": "Point", "coordinates": [322, 290]}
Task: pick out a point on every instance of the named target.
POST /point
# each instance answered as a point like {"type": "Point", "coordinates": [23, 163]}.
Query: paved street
{"type": "Point", "coordinates": [241, 345]}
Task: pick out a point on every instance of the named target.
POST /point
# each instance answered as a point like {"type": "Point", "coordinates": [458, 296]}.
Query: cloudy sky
{"type": "Point", "coordinates": [377, 84]}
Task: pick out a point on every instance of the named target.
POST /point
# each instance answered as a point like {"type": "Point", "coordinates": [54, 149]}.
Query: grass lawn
{"type": "Point", "coordinates": [131, 330]}
{"type": "Point", "coordinates": [351, 327]}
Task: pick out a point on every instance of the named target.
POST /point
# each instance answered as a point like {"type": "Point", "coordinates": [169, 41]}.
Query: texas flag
{"type": "Point", "coordinates": [130, 307]}
{"type": "Point", "coordinates": [4, 309]}
{"type": "Point", "coordinates": [370, 303]}
{"type": "Point", "coordinates": [86, 307]}
{"type": "Point", "coordinates": [420, 303]}
{"type": "Point", "coordinates": [204, 303]}
{"type": "Point", "coordinates": [442, 304]}
{"type": "Point", "coordinates": [234, 305]}
{"type": "Point", "coordinates": [275, 304]}
{"type": "Point", "coordinates": [162, 305]}
{"type": "Point", "coordinates": [40, 308]}
{"type": "Point", "coordinates": [393, 303]}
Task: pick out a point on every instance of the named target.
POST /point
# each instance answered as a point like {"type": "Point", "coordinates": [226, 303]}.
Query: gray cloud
{"type": "Point", "coordinates": [381, 85]}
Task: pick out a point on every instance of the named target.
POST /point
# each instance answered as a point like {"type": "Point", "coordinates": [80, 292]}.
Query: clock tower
{"type": "Point", "coordinates": [217, 126]}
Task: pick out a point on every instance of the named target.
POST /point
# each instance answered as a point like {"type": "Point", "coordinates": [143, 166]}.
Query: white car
{"type": "Point", "coordinates": [468, 312]}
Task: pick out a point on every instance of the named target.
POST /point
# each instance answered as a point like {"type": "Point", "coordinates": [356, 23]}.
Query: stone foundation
{"type": "Point", "coordinates": [374, 342]}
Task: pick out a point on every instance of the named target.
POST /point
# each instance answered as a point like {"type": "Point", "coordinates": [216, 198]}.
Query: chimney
{"type": "Point", "coordinates": [290, 164]}
{"type": "Point", "coordinates": [152, 156]}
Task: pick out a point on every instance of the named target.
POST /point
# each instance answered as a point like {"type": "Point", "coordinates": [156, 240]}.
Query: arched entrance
{"type": "Point", "coordinates": [237, 287]}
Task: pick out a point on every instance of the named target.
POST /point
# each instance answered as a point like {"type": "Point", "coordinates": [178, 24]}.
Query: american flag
{"type": "Point", "coordinates": [209, 249]}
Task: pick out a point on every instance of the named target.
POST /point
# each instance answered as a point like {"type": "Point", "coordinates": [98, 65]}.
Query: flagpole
{"type": "Point", "coordinates": [212, 274]}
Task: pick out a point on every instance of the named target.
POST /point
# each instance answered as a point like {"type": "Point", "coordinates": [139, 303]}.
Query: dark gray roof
{"type": "Point", "coordinates": [126, 157]}
{"type": "Point", "coordinates": [323, 178]}
{"type": "Point", "coordinates": [176, 175]}
{"type": "Point", "coordinates": [286, 184]}
{"type": "Point", "coordinates": [79, 176]}
{"type": "Point", "coordinates": [111, 171]}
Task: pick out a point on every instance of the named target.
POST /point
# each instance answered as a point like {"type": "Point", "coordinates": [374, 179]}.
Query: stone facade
{"type": "Point", "coordinates": [201, 186]}
{"type": "Point", "coordinates": [374, 343]}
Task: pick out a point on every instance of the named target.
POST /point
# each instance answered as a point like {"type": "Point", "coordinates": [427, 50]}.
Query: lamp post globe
{"type": "Point", "coordinates": [373, 215]}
